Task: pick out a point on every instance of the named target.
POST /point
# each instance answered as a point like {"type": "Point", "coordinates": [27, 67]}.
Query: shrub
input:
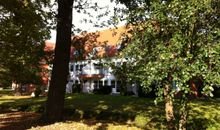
{"type": "Point", "coordinates": [39, 108]}
{"type": "Point", "coordinates": [89, 114]}
{"type": "Point", "coordinates": [143, 93]}
{"type": "Point", "coordinates": [129, 93]}
{"type": "Point", "coordinates": [37, 91]}
{"type": "Point", "coordinates": [103, 90]}
{"type": "Point", "coordinates": [23, 107]}
{"type": "Point", "coordinates": [69, 111]}
{"type": "Point", "coordinates": [76, 88]}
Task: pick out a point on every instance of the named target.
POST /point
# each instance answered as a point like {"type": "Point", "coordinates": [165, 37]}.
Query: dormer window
{"type": "Point", "coordinates": [120, 47]}
{"type": "Point", "coordinates": [94, 52]}
{"type": "Point", "coordinates": [76, 53]}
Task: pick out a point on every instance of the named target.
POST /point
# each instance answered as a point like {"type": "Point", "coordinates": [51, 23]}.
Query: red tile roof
{"type": "Point", "coordinates": [106, 40]}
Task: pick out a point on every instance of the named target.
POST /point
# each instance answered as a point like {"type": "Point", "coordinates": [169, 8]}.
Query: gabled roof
{"type": "Point", "coordinates": [102, 43]}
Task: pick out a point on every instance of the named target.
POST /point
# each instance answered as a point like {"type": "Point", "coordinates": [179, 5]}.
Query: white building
{"type": "Point", "coordinates": [88, 57]}
{"type": "Point", "coordinates": [91, 75]}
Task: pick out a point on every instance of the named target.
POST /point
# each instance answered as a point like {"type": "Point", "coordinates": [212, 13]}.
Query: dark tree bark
{"type": "Point", "coordinates": [56, 94]}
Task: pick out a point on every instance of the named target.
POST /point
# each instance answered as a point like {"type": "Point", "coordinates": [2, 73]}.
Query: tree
{"type": "Point", "coordinates": [121, 71]}
{"type": "Point", "coordinates": [55, 101]}
{"type": "Point", "coordinates": [175, 41]}
{"type": "Point", "coordinates": [23, 30]}
{"type": "Point", "coordinates": [60, 71]}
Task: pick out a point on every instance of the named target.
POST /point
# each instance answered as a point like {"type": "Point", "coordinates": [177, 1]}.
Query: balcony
{"type": "Point", "coordinates": [91, 71]}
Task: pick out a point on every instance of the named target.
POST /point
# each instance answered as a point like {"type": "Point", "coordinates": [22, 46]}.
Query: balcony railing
{"type": "Point", "coordinates": [92, 71]}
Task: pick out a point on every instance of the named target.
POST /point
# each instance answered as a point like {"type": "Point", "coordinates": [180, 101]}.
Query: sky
{"type": "Point", "coordinates": [89, 27]}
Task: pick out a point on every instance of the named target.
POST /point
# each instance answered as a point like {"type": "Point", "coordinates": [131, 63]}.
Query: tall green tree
{"type": "Point", "coordinates": [23, 30]}
{"type": "Point", "coordinates": [175, 41]}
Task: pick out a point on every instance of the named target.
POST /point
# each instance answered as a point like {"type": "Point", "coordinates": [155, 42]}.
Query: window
{"type": "Point", "coordinates": [71, 68]}
{"type": "Point", "coordinates": [77, 67]}
{"type": "Point", "coordinates": [85, 81]}
{"type": "Point", "coordinates": [81, 66]}
{"type": "Point", "coordinates": [106, 70]}
{"type": "Point", "coordinates": [95, 84]}
{"type": "Point", "coordinates": [98, 66]}
{"type": "Point", "coordinates": [113, 83]}
{"type": "Point", "coordinates": [118, 86]}
{"type": "Point", "coordinates": [124, 63]}
{"type": "Point", "coordinates": [76, 53]}
{"type": "Point", "coordinates": [106, 83]}
{"type": "Point", "coordinates": [100, 83]}
{"type": "Point", "coordinates": [76, 82]}
{"type": "Point", "coordinates": [118, 63]}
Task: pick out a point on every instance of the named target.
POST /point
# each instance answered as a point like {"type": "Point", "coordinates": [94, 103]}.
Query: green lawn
{"type": "Point", "coordinates": [203, 114]}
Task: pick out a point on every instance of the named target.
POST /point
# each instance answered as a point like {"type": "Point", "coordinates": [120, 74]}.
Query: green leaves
{"type": "Point", "coordinates": [179, 38]}
{"type": "Point", "coordinates": [23, 31]}
{"type": "Point", "coordinates": [178, 45]}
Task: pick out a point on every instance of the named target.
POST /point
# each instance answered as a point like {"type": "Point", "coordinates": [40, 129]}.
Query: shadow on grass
{"type": "Point", "coordinates": [99, 108]}
{"type": "Point", "coordinates": [20, 114]}
{"type": "Point", "coordinates": [204, 114]}
{"type": "Point", "coordinates": [18, 120]}
{"type": "Point", "coordinates": [117, 110]}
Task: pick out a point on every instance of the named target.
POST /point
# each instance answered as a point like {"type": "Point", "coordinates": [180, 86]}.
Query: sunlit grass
{"type": "Point", "coordinates": [203, 113]}
{"type": "Point", "coordinates": [206, 113]}
{"type": "Point", "coordinates": [72, 125]}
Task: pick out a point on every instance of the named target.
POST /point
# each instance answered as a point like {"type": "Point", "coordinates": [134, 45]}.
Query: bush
{"type": "Point", "coordinates": [76, 88]}
{"type": "Point", "coordinates": [39, 108]}
{"type": "Point", "coordinates": [69, 111]}
{"type": "Point", "coordinates": [141, 121]}
{"type": "Point", "coordinates": [37, 91]}
{"type": "Point", "coordinates": [129, 93]}
{"type": "Point", "coordinates": [103, 90]}
{"type": "Point", "coordinates": [143, 93]}
{"type": "Point", "coordinates": [23, 107]}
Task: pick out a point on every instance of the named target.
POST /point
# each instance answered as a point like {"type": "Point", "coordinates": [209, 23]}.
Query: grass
{"type": "Point", "coordinates": [141, 112]}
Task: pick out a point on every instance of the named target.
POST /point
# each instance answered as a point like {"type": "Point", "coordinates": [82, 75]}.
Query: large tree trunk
{"type": "Point", "coordinates": [56, 94]}
{"type": "Point", "coordinates": [169, 108]}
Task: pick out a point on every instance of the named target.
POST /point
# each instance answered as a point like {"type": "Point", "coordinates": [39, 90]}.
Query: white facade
{"type": "Point", "coordinates": [91, 74]}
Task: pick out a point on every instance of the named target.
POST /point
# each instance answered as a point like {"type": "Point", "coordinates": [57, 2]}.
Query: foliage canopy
{"type": "Point", "coordinates": [24, 27]}
{"type": "Point", "coordinates": [177, 38]}
{"type": "Point", "coordinates": [174, 41]}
